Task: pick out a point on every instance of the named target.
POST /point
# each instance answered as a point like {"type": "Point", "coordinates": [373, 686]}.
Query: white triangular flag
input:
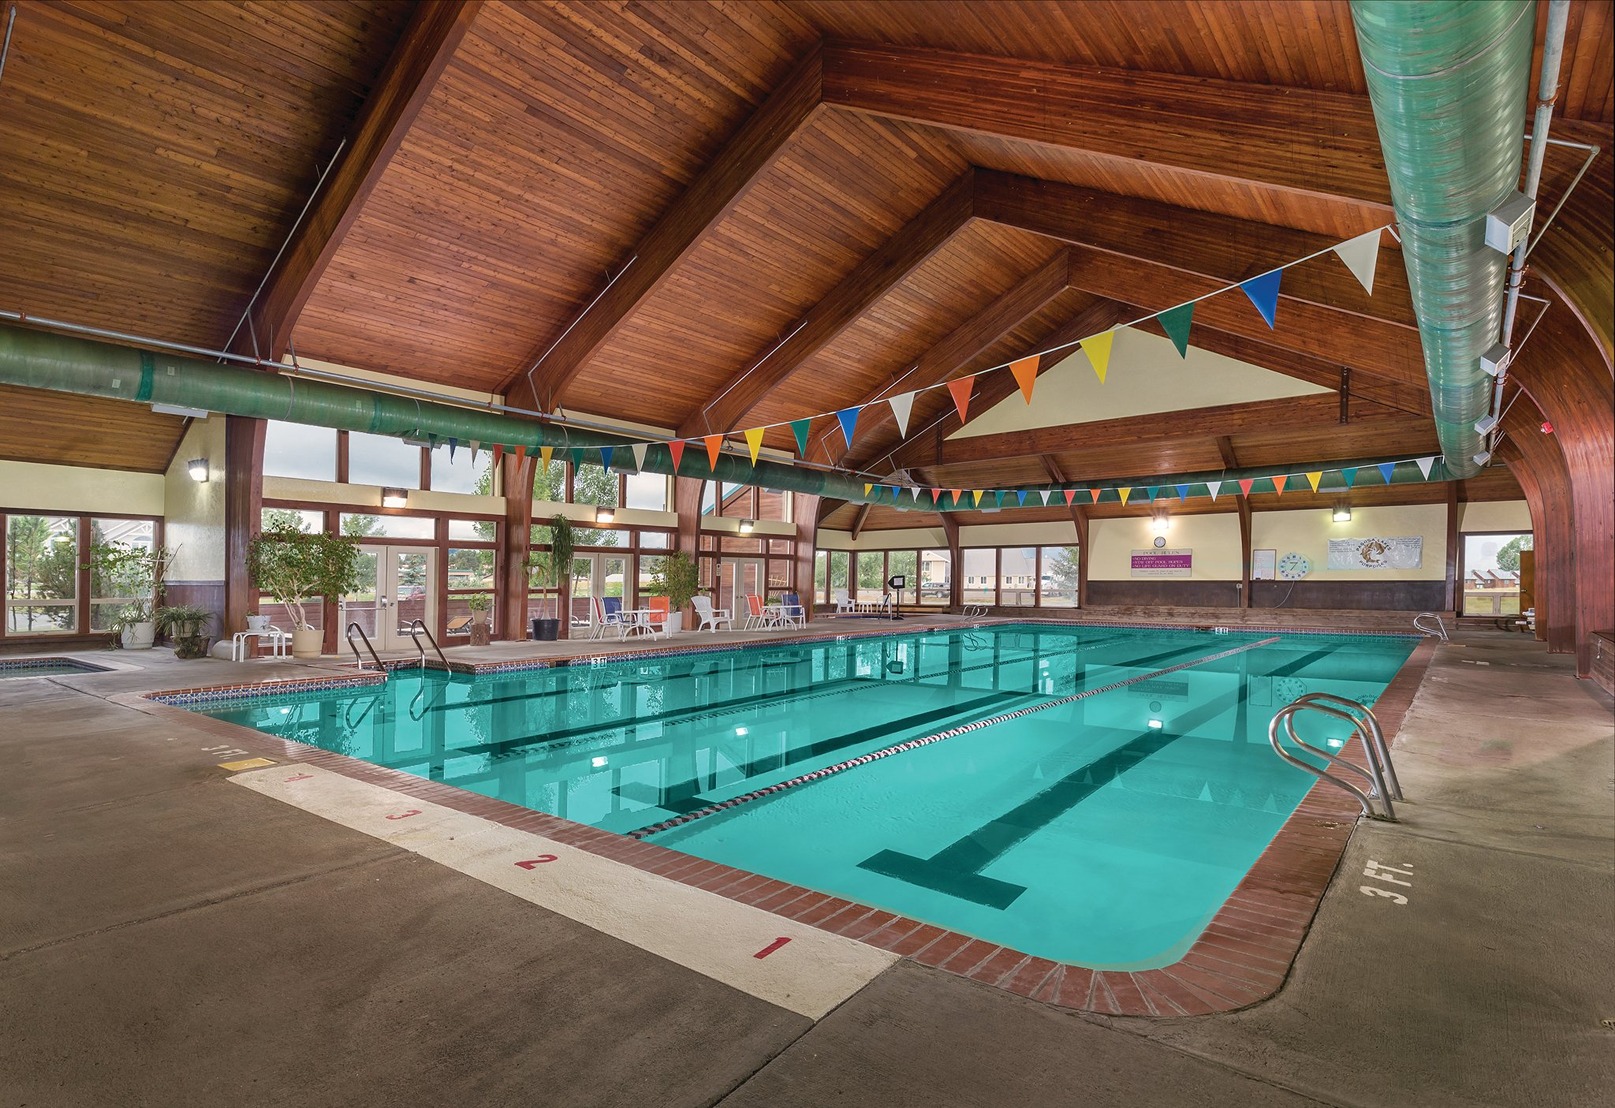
{"type": "Point", "coordinates": [1361, 255]}
{"type": "Point", "coordinates": [1425, 464]}
{"type": "Point", "coordinates": [639, 455]}
{"type": "Point", "coordinates": [916, 491]}
{"type": "Point", "coordinates": [1214, 487]}
{"type": "Point", "coordinates": [476, 445]}
{"type": "Point", "coordinates": [1046, 494]}
{"type": "Point", "coordinates": [900, 408]}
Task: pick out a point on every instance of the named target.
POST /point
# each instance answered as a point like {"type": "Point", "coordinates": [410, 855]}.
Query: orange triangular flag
{"type": "Point", "coordinates": [1314, 477]}
{"type": "Point", "coordinates": [676, 448]}
{"type": "Point", "coordinates": [1124, 494]}
{"type": "Point", "coordinates": [754, 442]}
{"type": "Point", "coordinates": [1278, 485]}
{"type": "Point", "coordinates": [521, 454]}
{"type": "Point", "coordinates": [957, 493]}
{"type": "Point", "coordinates": [1025, 372]}
{"type": "Point", "coordinates": [1095, 494]}
{"type": "Point", "coordinates": [961, 395]}
{"type": "Point", "coordinates": [714, 448]}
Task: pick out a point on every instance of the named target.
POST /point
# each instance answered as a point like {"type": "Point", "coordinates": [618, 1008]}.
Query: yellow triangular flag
{"type": "Point", "coordinates": [754, 440]}
{"type": "Point", "coordinates": [1314, 477]}
{"type": "Point", "coordinates": [544, 455]}
{"type": "Point", "coordinates": [977, 493]}
{"type": "Point", "coordinates": [1097, 347]}
{"type": "Point", "coordinates": [1025, 372]}
{"type": "Point", "coordinates": [867, 486]}
{"type": "Point", "coordinates": [1124, 494]}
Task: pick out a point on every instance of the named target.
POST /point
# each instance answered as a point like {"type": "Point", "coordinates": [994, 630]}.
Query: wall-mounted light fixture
{"type": "Point", "coordinates": [198, 469]}
{"type": "Point", "coordinates": [747, 526]}
{"type": "Point", "coordinates": [605, 515]}
{"type": "Point", "coordinates": [1161, 524]}
{"type": "Point", "coordinates": [394, 498]}
{"type": "Point", "coordinates": [1342, 513]}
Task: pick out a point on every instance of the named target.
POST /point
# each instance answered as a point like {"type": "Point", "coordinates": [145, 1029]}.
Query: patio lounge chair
{"type": "Point", "coordinates": [710, 616]}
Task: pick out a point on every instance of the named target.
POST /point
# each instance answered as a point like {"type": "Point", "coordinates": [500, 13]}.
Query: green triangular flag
{"type": "Point", "coordinates": [1175, 322]}
{"type": "Point", "coordinates": [799, 428]}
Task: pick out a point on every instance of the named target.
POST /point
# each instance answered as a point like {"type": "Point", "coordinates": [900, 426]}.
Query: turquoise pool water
{"type": "Point", "coordinates": [1105, 827]}
{"type": "Point", "coordinates": [46, 667]}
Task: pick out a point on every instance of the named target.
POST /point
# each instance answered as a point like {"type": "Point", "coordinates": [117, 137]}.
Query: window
{"type": "Point", "coordinates": [312, 523]}
{"type": "Point", "coordinates": [936, 576]}
{"type": "Point", "coordinates": [901, 563]}
{"type": "Point", "coordinates": [979, 566]}
{"type": "Point", "coordinates": [384, 461]}
{"type": "Point", "coordinates": [592, 484]}
{"type": "Point", "coordinates": [464, 474]}
{"type": "Point", "coordinates": [1058, 586]}
{"type": "Point", "coordinates": [821, 576]}
{"type": "Point", "coordinates": [294, 450]}
{"type": "Point", "coordinates": [110, 597]}
{"type": "Point", "coordinates": [647, 491]}
{"type": "Point", "coordinates": [362, 526]}
{"type": "Point", "coordinates": [41, 574]}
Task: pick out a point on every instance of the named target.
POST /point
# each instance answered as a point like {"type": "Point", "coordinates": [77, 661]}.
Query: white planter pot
{"type": "Point", "coordinates": [675, 623]}
{"type": "Point", "coordinates": [139, 636]}
{"type": "Point", "coordinates": [307, 641]}
{"type": "Point", "coordinates": [257, 623]}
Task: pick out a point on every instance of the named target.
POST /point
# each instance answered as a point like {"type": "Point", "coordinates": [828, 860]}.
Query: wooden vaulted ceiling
{"type": "Point", "coordinates": [715, 216]}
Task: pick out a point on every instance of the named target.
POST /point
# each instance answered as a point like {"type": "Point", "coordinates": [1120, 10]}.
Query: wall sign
{"type": "Point", "coordinates": [1163, 563]}
{"type": "Point", "coordinates": [1264, 564]}
{"type": "Point", "coordinates": [1406, 552]}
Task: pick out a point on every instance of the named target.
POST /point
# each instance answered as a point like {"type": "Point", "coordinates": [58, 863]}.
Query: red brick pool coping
{"type": "Point", "coordinates": [1242, 957]}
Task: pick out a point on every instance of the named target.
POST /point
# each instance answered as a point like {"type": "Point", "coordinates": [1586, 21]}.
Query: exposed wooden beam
{"type": "Point", "coordinates": [1205, 243]}
{"type": "Point", "coordinates": [401, 90]}
{"type": "Point", "coordinates": [1194, 423]}
{"type": "Point", "coordinates": [921, 237]}
{"type": "Point", "coordinates": [542, 381]}
{"type": "Point", "coordinates": [1029, 296]}
{"type": "Point", "coordinates": [859, 520]}
{"type": "Point", "coordinates": [1225, 447]}
{"type": "Point", "coordinates": [1312, 153]}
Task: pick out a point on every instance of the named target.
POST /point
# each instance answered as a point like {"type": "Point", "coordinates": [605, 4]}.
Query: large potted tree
{"type": "Point", "coordinates": [294, 566]}
{"type": "Point", "coordinates": [549, 570]}
{"type": "Point", "coordinates": [678, 581]}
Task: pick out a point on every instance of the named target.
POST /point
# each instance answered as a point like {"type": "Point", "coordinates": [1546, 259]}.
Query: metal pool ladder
{"type": "Point", "coordinates": [364, 638]}
{"type": "Point", "coordinates": [1439, 631]}
{"type": "Point", "coordinates": [1381, 775]}
{"type": "Point", "coordinates": [416, 630]}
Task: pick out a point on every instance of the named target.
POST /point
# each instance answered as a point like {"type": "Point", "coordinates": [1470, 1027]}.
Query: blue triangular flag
{"type": "Point", "coordinates": [1183, 492]}
{"type": "Point", "coordinates": [1386, 469]}
{"type": "Point", "coordinates": [1264, 293]}
{"type": "Point", "coordinates": [452, 444]}
{"type": "Point", "coordinates": [1020, 498]}
{"type": "Point", "coordinates": [849, 422]}
{"type": "Point", "coordinates": [605, 457]}
{"type": "Point", "coordinates": [896, 492]}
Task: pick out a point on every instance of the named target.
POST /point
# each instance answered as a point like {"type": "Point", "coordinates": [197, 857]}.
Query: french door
{"type": "Point", "coordinates": [739, 578]}
{"type": "Point", "coordinates": [397, 585]}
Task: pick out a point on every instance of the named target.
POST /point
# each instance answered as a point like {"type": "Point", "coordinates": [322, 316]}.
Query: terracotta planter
{"type": "Point", "coordinates": [307, 642]}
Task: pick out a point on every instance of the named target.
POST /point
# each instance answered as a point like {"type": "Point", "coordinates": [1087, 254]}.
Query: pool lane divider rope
{"type": "Point", "coordinates": [914, 744]}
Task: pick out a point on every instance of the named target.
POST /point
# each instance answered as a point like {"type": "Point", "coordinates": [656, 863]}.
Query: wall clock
{"type": "Point", "coordinates": [1160, 541]}
{"type": "Point", "coordinates": [1293, 566]}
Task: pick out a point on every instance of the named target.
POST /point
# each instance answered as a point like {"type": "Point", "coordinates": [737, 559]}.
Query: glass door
{"type": "Point", "coordinates": [739, 578]}
{"type": "Point", "coordinates": [602, 575]}
{"type": "Point", "coordinates": [398, 585]}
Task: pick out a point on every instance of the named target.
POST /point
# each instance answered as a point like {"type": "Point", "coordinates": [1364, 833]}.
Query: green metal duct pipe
{"type": "Point", "coordinates": [61, 363]}
{"type": "Point", "coordinates": [1448, 81]}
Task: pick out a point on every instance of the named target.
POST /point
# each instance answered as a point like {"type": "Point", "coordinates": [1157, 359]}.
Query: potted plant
{"type": "Point", "coordinates": [187, 626]}
{"type": "Point", "coordinates": [549, 570]}
{"type": "Point", "coordinates": [293, 566]}
{"type": "Point", "coordinates": [678, 581]}
{"type": "Point", "coordinates": [135, 572]}
{"type": "Point", "coordinates": [479, 603]}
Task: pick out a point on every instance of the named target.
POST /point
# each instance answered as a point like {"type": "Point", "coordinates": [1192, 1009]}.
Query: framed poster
{"type": "Point", "coordinates": [1163, 563]}
{"type": "Point", "coordinates": [1264, 564]}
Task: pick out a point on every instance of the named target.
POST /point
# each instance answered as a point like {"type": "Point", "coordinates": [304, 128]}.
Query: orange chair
{"type": "Point", "coordinates": [659, 608]}
{"type": "Point", "coordinates": [757, 618]}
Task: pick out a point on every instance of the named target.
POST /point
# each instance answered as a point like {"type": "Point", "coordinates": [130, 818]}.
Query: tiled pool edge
{"type": "Point", "coordinates": [1243, 956]}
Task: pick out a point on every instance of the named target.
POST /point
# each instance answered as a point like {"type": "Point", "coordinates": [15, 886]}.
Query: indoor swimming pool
{"type": "Point", "coordinates": [1084, 793]}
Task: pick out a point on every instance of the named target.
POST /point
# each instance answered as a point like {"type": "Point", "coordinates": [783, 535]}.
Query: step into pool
{"type": "Point", "coordinates": [1087, 794]}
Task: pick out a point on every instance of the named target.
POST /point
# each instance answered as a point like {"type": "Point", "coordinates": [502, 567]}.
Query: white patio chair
{"type": "Point", "coordinates": [708, 616]}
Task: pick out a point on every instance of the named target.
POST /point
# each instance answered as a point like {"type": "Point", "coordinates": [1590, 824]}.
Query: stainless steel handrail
{"type": "Point", "coordinates": [1438, 632]}
{"type": "Point", "coordinates": [348, 634]}
{"type": "Point", "coordinates": [1378, 733]}
{"type": "Point", "coordinates": [1374, 775]}
{"type": "Point", "coordinates": [416, 629]}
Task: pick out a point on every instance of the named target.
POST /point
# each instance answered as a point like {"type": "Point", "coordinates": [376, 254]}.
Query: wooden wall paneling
{"type": "Point", "coordinates": [725, 410]}
{"type": "Point", "coordinates": [721, 184]}
{"type": "Point", "coordinates": [401, 89]}
{"type": "Point", "coordinates": [38, 425]}
{"type": "Point", "coordinates": [805, 511]}
{"type": "Point", "coordinates": [515, 540]}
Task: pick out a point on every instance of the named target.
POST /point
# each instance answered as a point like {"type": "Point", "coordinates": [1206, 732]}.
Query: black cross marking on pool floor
{"type": "Point", "coordinates": [956, 868]}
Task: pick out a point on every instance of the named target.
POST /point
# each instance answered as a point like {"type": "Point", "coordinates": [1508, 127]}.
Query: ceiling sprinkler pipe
{"type": "Point", "coordinates": [1448, 80]}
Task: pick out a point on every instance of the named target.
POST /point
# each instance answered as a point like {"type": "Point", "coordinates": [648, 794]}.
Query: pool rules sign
{"type": "Point", "coordinates": [1163, 563]}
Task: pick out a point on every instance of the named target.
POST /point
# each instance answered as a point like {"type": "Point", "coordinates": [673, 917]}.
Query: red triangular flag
{"type": "Point", "coordinates": [714, 448]}
{"type": "Point", "coordinates": [1278, 485]}
{"type": "Point", "coordinates": [676, 448]}
{"type": "Point", "coordinates": [498, 455]}
{"type": "Point", "coordinates": [1069, 493]}
{"type": "Point", "coordinates": [1245, 487]}
{"type": "Point", "coordinates": [936, 497]}
{"type": "Point", "coordinates": [521, 454]}
{"type": "Point", "coordinates": [1025, 372]}
{"type": "Point", "coordinates": [961, 395]}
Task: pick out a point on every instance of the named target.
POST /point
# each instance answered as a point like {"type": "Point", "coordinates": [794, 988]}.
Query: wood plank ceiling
{"type": "Point", "coordinates": [860, 233]}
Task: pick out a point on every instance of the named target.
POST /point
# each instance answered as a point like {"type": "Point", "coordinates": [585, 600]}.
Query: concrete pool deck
{"type": "Point", "coordinates": [169, 937]}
